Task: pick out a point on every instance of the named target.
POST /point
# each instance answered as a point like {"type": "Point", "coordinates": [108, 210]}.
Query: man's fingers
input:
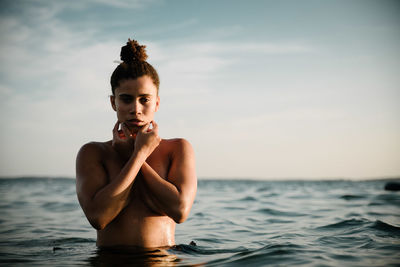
{"type": "Point", "coordinates": [126, 131]}
{"type": "Point", "coordinates": [145, 128]}
{"type": "Point", "coordinates": [155, 126]}
{"type": "Point", "coordinates": [115, 129]}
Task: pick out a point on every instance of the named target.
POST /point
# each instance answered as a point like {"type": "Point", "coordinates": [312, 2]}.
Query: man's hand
{"type": "Point", "coordinates": [147, 139]}
{"type": "Point", "coordinates": [123, 142]}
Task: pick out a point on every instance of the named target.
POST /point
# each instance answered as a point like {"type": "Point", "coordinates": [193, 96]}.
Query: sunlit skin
{"type": "Point", "coordinates": [136, 102]}
{"type": "Point", "coordinates": [135, 188]}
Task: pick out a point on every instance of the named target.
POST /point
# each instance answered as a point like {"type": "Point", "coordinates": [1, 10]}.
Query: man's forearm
{"type": "Point", "coordinates": [166, 196]}
{"type": "Point", "coordinates": [111, 199]}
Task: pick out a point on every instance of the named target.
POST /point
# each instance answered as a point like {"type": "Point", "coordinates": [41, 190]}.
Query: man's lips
{"type": "Point", "coordinates": [135, 122]}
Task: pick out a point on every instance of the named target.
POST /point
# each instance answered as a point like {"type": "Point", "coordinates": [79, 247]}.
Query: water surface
{"type": "Point", "coordinates": [232, 223]}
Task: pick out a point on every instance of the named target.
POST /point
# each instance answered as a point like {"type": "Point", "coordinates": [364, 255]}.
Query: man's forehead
{"type": "Point", "coordinates": [133, 94]}
{"type": "Point", "coordinates": [140, 84]}
{"type": "Point", "coordinates": [135, 91]}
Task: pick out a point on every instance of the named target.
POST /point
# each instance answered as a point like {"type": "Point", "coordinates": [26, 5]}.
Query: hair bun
{"type": "Point", "coordinates": [133, 51]}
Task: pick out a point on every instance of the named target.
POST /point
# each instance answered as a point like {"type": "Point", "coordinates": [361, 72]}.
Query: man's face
{"type": "Point", "coordinates": [135, 102]}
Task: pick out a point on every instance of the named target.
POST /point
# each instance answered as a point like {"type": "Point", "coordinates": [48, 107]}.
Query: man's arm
{"type": "Point", "coordinates": [175, 195]}
{"type": "Point", "coordinates": [102, 198]}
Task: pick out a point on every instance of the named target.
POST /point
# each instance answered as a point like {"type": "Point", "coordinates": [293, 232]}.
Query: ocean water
{"type": "Point", "coordinates": [232, 223]}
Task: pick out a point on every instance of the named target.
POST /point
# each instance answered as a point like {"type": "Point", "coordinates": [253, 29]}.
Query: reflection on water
{"type": "Point", "coordinates": [118, 256]}
{"type": "Point", "coordinates": [136, 256]}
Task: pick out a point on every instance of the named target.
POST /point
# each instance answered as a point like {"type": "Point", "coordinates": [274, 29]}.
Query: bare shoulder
{"type": "Point", "coordinates": [176, 143]}
{"type": "Point", "coordinates": [90, 148]}
{"type": "Point", "coordinates": [177, 146]}
{"type": "Point", "coordinates": [92, 151]}
{"type": "Point", "coordinates": [89, 161]}
{"type": "Point", "coordinates": [182, 158]}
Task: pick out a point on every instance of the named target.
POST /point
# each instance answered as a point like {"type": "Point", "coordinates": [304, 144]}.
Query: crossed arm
{"type": "Point", "coordinates": [173, 197]}
{"type": "Point", "coordinates": [102, 198]}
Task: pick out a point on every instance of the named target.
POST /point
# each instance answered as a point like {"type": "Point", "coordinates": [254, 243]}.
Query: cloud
{"type": "Point", "coordinates": [239, 49]}
{"type": "Point", "coordinates": [48, 9]}
{"type": "Point", "coordinates": [134, 4]}
{"type": "Point", "coordinates": [54, 85]}
{"type": "Point", "coordinates": [184, 64]}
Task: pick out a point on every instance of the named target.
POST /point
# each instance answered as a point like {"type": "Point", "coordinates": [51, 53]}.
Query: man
{"type": "Point", "coordinates": [134, 188]}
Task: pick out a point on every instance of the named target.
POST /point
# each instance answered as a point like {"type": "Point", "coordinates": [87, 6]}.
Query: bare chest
{"type": "Point", "coordinates": [159, 160]}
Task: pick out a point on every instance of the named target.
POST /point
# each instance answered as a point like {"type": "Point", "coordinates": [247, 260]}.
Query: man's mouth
{"type": "Point", "coordinates": [135, 122]}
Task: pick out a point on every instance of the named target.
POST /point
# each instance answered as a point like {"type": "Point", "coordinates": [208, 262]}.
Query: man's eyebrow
{"type": "Point", "coordinates": [125, 95]}
{"type": "Point", "coordinates": [129, 95]}
{"type": "Point", "coordinates": [146, 95]}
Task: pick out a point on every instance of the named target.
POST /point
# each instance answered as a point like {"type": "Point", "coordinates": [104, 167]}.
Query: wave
{"type": "Point", "coordinates": [386, 227]}
{"type": "Point", "coordinates": [272, 253]}
{"type": "Point", "coordinates": [352, 197]}
{"type": "Point", "coordinates": [276, 212]}
{"type": "Point", "coordinates": [46, 242]}
{"type": "Point", "coordinates": [354, 226]}
{"type": "Point", "coordinates": [344, 224]}
{"type": "Point", "coordinates": [233, 223]}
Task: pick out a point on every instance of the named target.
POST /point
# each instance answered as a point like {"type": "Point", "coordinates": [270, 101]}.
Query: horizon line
{"type": "Point", "coordinates": [375, 178]}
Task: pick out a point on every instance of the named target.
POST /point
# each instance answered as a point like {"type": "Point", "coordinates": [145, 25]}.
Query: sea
{"type": "Point", "coordinates": [232, 223]}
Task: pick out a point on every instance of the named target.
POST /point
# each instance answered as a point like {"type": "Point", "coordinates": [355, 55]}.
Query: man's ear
{"type": "Point", "coordinates": [112, 100]}
{"type": "Point", "coordinates": [157, 103]}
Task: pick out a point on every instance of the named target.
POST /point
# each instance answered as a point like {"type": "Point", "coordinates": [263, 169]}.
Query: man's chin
{"type": "Point", "coordinates": [134, 129]}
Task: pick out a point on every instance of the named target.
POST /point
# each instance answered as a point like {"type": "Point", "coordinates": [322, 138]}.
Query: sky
{"type": "Point", "coordinates": [261, 89]}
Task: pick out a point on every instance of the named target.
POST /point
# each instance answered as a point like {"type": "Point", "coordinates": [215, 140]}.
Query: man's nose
{"type": "Point", "coordinates": [135, 108]}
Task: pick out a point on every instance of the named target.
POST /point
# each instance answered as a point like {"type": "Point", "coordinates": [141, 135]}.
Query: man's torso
{"type": "Point", "coordinates": [137, 224]}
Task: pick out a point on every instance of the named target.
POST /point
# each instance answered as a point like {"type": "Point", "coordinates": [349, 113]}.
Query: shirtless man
{"type": "Point", "coordinates": [134, 188]}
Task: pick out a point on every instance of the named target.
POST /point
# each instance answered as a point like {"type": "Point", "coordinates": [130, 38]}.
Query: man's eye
{"type": "Point", "coordinates": [126, 99]}
{"type": "Point", "coordinates": [144, 100]}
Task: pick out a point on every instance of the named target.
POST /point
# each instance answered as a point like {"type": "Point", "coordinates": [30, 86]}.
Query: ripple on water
{"type": "Point", "coordinates": [341, 242]}
{"type": "Point", "coordinates": [270, 254]}
{"type": "Point", "coordinates": [278, 221]}
{"type": "Point", "coordinates": [352, 197]}
{"type": "Point", "coordinates": [248, 198]}
{"type": "Point", "coordinates": [344, 224]}
{"type": "Point", "coordinates": [386, 228]}
{"type": "Point", "coordinates": [233, 223]}
{"type": "Point", "coordinates": [275, 212]}
{"type": "Point", "coordinates": [59, 206]}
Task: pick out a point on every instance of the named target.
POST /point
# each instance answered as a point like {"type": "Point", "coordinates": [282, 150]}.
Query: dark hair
{"type": "Point", "coordinates": [133, 66]}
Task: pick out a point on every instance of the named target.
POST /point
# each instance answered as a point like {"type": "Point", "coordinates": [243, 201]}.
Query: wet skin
{"type": "Point", "coordinates": [134, 188]}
